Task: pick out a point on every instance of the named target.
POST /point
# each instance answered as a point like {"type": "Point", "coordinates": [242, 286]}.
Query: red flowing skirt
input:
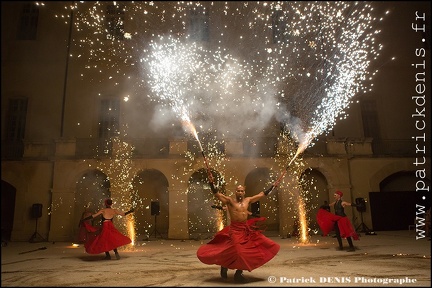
{"type": "Point", "coordinates": [240, 245]}
{"type": "Point", "coordinates": [82, 234]}
{"type": "Point", "coordinates": [327, 220]}
{"type": "Point", "coordinates": [108, 239]}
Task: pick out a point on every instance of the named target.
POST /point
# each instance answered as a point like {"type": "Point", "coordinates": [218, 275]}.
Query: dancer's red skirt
{"type": "Point", "coordinates": [240, 245]}
{"type": "Point", "coordinates": [108, 239]}
{"type": "Point", "coordinates": [327, 220]}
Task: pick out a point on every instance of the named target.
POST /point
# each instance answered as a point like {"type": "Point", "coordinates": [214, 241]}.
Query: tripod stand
{"type": "Point", "coordinates": [362, 225]}
{"type": "Point", "coordinates": [155, 231]}
{"type": "Point", "coordinates": [36, 235]}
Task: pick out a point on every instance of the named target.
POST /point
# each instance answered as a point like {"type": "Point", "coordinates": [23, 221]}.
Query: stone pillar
{"type": "Point", "coordinates": [286, 210]}
{"type": "Point", "coordinates": [285, 216]}
{"type": "Point", "coordinates": [62, 216]}
{"type": "Point", "coordinates": [178, 211]}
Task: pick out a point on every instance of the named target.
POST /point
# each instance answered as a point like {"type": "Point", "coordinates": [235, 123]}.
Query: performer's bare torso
{"type": "Point", "coordinates": [238, 210]}
{"type": "Point", "coordinates": [238, 206]}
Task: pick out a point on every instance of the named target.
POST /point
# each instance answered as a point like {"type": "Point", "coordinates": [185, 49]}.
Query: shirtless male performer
{"type": "Point", "coordinates": [240, 245]}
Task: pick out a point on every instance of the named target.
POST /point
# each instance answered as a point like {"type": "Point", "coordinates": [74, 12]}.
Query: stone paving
{"type": "Point", "coordinates": [390, 259]}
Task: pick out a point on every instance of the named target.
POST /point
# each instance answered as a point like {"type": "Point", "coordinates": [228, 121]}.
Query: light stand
{"type": "Point", "coordinates": [155, 231]}
{"type": "Point", "coordinates": [362, 225]}
{"type": "Point", "coordinates": [36, 235]}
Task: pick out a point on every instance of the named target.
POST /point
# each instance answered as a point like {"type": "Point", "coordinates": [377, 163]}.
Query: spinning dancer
{"type": "Point", "coordinates": [109, 237]}
{"type": "Point", "coordinates": [240, 245]}
{"type": "Point", "coordinates": [338, 221]}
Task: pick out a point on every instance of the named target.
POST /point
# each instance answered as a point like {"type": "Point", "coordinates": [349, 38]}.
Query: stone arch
{"type": "Point", "coordinates": [394, 205]}
{"type": "Point", "coordinates": [257, 180]}
{"type": "Point", "coordinates": [336, 173]}
{"type": "Point", "coordinates": [16, 177]}
{"type": "Point", "coordinates": [13, 176]}
{"type": "Point", "coordinates": [150, 185]}
{"type": "Point", "coordinates": [386, 171]}
{"type": "Point", "coordinates": [314, 192]}
{"type": "Point", "coordinates": [399, 181]}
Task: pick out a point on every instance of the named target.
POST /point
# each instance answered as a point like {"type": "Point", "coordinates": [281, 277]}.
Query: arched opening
{"type": "Point", "coordinates": [203, 220]}
{"type": "Point", "coordinates": [259, 180]}
{"type": "Point", "coordinates": [314, 192]}
{"type": "Point", "coordinates": [151, 201]}
{"type": "Point", "coordinates": [396, 205]}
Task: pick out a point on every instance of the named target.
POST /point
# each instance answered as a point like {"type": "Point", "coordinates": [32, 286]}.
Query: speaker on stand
{"type": "Point", "coordinates": [155, 211]}
{"type": "Point", "coordinates": [36, 213]}
{"type": "Point", "coordinates": [361, 207]}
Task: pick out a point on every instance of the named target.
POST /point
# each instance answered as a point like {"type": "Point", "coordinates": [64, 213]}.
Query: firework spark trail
{"type": "Point", "coordinates": [204, 83]}
{"type": "Point", "coordinates": [339, 38]}
{"type": "Point", "coordinates": [187, 124]}
{"type": "Point", "coordinates": [299, 62]}
{"type": "Point", "coordinates": [306, 80]}
{"type": "Point", "coordinates": [323, 65]}
{"type": "Point", "coordinates": [173, 72]}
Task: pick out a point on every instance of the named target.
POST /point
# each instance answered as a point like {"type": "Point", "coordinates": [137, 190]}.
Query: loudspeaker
{"type": "Point", "coordinates": [36, 211]}
{"type": "Point", "coordinates": [361, 204]}
{"type": "Point", "coordinates": [154, 208]}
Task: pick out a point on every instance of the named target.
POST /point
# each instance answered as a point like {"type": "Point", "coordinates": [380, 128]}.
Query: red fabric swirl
{"type": "Point", "coordinates": [240, 245]}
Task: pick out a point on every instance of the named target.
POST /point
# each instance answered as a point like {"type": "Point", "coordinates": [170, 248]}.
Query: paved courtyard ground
{"type": "Point", "coordinates": [388, 259]}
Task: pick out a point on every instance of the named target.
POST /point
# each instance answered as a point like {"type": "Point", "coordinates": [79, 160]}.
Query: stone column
{"type": "Point", "coordinates": [178, 227]}
{"type": "Point", "coordinates": [178, 211]}
{"type": "Point", "coordinates": [285, 214]}
{"type": "Point", "coordinates": [62, 216]}
{"type": "Point", "coordinates": [286, 210]}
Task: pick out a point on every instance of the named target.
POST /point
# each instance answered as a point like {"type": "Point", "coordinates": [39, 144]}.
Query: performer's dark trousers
{"type": "Point", "coordinates": [338, 236]}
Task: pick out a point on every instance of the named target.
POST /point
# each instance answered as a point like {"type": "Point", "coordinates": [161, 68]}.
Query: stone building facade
{"type": "Point", "coordinates": [61, 161]}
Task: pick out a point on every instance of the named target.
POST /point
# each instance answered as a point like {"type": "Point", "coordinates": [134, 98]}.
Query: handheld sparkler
{"type": "Point", "coordinates": [300, 149]}
{"type": "Point", "coordinates": [188, 124]}
{"type": "Point", "coordinates": [210, 175]}
{"type": "Point", "coordinates": [130, 211]}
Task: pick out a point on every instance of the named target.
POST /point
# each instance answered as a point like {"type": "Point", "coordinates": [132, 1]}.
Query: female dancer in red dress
{"type": "Point", "coordinates": [338, 222]}
{"type": "Point", "coordinates": [109, 237]}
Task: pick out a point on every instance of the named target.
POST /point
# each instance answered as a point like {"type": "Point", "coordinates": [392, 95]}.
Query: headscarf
{"type": "Point", "coordinates": [339, 193]}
